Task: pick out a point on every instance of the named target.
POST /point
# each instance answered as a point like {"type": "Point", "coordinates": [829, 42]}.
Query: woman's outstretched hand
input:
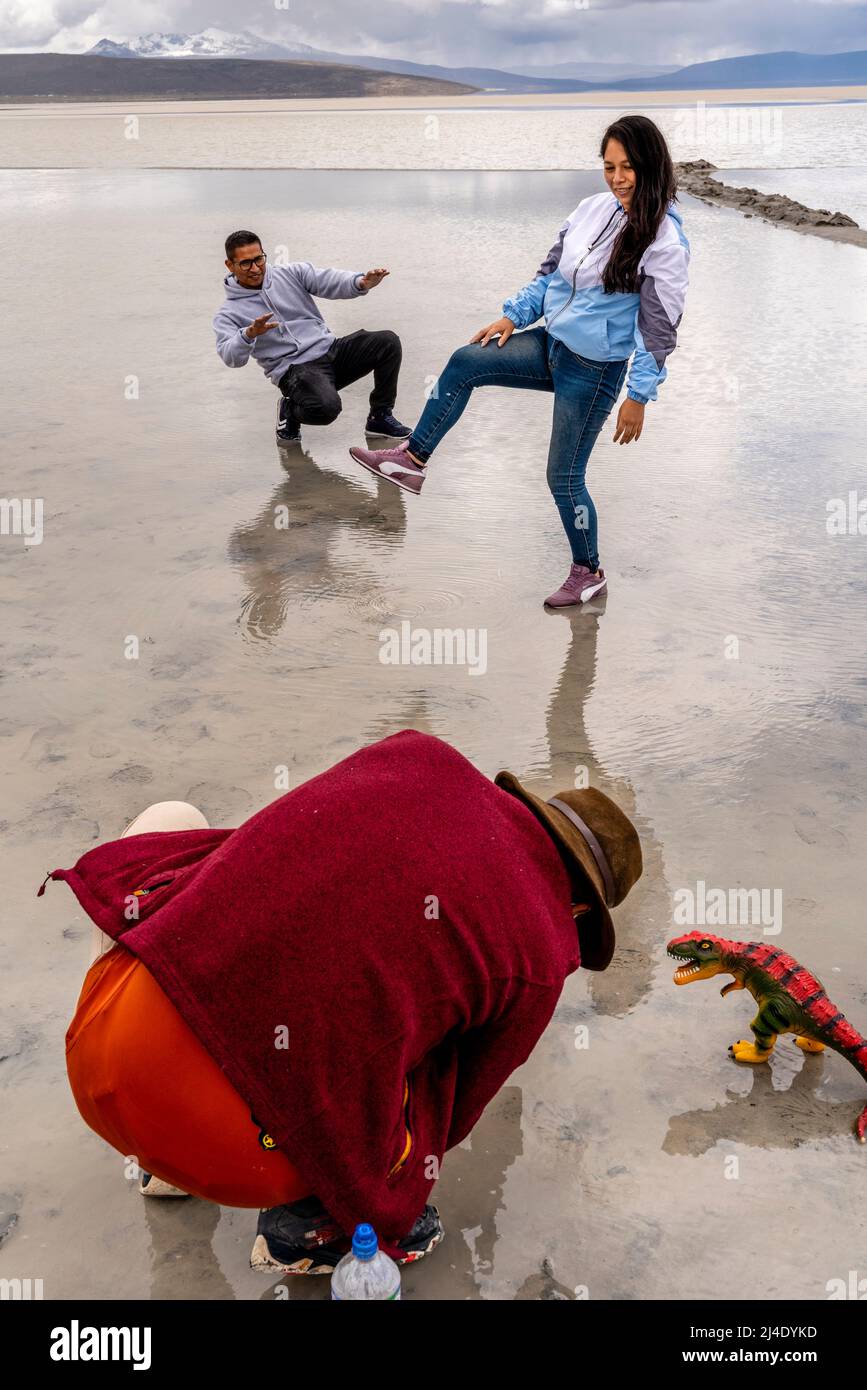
{"type": "Point", "coordinates": [630, 421]}
{"type": "Point", "coordinates": [505, 327]}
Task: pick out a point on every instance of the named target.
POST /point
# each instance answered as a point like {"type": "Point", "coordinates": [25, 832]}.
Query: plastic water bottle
{"type": "Point", "coordinates": [366, 1272]}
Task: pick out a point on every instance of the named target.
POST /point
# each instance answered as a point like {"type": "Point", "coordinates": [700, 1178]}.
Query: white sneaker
{"type": "Point", "coordinates": [149, 1185]}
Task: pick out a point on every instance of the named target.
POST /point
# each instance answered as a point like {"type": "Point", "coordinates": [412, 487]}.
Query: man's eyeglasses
{"type": "Point", "coordinates": [257, 261]}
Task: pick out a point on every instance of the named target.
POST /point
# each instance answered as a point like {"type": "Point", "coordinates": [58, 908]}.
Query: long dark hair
{"type": "Point", "coordinates": [655, 188]}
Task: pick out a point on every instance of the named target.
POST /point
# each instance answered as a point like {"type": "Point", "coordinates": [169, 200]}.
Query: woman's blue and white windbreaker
{"type": "Point", "coordinates": [568, 292]}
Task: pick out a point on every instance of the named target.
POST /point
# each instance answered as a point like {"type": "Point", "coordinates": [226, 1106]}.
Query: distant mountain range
{"type": "Point", "coordinates": [53, 77]}
{"type": "Point", "coordinates": [595, 72]}
{"type": "Point", "coordinates": [753, 70]}
{"type": "Point", "coordinates": [219, 43]}
{"type": "Point", "coordinates": [764, 70]}
{"type": "Point", "coordinates": [219, 65]}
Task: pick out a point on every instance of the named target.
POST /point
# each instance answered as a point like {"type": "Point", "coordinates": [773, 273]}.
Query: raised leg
{"type": "Point", "coordinates": [522, 362]}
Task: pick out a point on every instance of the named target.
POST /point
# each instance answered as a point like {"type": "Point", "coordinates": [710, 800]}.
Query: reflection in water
{"type": "Point", "coordinates": [470, 1198]}
{"type": "Point", "coordinates": [765, 1117]}
{"type": "Point", "coordinates": [640, 921]}
{"type": "Point", "coordinates": [543, 1287]}
{"type": "Point", "coordinates": [285, 553]}
{"type": "Point", "coordinates": [411, 712]}
{"type": "Point", "coordinates": [183, 1263]}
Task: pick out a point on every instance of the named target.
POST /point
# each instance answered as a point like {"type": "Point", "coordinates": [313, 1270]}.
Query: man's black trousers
{"type": "Point", "coordinates": [311, 388]}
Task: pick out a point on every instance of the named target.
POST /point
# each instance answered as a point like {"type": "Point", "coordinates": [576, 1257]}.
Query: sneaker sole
{"type": "Point", "coordinates": [413, 1255]}
{"type": "Point", "coordinates": [262, 1259]}
{"type": "Point", "coordinates": [375, 434]}
{"type": "Point", "coordinates": [384, 476]}
{"type": "Point", "coordinates": [158, 1188]}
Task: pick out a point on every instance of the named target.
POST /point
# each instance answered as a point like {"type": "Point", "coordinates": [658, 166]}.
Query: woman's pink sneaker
{"type": "Point", "coordinates": [580, 585]}
{"type": "Point", "coordinates": [395, 465]}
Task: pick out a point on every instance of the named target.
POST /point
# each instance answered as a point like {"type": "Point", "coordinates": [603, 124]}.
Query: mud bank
{"type": "Point", "coordinates": [696, 177]}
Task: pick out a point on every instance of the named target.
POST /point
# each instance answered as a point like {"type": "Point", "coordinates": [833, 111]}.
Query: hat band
{"type": "Point", "coordinates": [595, 848]}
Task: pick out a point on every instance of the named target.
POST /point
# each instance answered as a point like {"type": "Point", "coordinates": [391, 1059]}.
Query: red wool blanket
{"type": "Point", "coordinates": [398, 917]}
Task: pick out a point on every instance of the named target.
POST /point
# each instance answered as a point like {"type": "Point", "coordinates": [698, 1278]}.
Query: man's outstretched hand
{"type": "Point", "coordinates": [260, 325]}
{"type": "Point", "coordinates": [372, 278]}
{"type": "Point", "coordinates": [630, 421]}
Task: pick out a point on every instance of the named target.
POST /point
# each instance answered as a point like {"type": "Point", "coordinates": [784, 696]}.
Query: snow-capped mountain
{"type": "Point", "coordinates": [210, 43]}
{"type": "Point", "coordinates": [107, 48]}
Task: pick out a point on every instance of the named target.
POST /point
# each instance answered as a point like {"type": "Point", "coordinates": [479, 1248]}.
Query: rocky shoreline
{"type": "Point", "coordinates": [696, 177]}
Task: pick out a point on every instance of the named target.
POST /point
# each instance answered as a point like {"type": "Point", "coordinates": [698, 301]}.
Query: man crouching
{"type": "Point", "coordinates": [270, 314]}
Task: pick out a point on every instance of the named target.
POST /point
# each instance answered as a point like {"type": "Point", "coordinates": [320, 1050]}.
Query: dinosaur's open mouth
{"type": "Point", "coordinates": [688, 969]}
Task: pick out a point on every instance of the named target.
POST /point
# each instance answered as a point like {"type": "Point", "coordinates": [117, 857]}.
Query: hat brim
{"type": "Point", "coordinates": [596, 940]}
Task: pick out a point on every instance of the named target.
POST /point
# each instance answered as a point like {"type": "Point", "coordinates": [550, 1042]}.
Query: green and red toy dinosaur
{"type": "Point", "coordinates": [790, 999]}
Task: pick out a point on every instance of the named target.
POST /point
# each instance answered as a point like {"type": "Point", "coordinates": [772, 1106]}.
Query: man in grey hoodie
{"type": "Point", "coordinates": [270, 314]}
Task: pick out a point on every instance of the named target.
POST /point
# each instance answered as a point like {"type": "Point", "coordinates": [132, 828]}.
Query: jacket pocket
{"type": "Point", "coordinates": [150, 885]}
{"type": "Point", "coordinates": [148, 894]}
{"type": "Point", "coordinates": [590, 331]}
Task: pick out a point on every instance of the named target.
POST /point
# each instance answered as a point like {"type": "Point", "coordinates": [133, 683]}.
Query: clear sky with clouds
{"type": "Point", "coordinates": [498, 33]}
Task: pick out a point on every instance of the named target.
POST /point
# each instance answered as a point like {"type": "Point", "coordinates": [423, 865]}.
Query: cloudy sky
{"type": "Point", "coordinates": [456, 32]}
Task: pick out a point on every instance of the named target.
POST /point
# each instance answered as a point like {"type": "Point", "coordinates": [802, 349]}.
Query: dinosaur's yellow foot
{"type": "Point", "coordinates": [810, 1044]}
{"type": "Point", "coordinates": [748, 1052]}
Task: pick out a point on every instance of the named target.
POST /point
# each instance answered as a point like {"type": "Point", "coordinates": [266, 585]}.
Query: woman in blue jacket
{"type": "Point", "coordinates": [611, 287]}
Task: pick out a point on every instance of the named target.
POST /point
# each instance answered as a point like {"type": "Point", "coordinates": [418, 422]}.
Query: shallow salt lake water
{"type": "Point", "coordinates": [718, 694]}
{"type": "Point", "coordinates": [449, 133]}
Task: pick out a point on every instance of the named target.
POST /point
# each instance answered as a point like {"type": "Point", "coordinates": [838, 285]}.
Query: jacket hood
{"type": "Point", "coordinates": [236, 291]}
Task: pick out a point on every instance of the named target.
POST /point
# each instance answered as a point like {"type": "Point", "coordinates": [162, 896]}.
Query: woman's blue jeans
{"type": "Point", "coordinates": [584, 395]}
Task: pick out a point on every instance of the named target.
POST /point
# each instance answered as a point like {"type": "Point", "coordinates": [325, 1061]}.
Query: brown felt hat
{"type": "Point", "coordinates": [601, 850]}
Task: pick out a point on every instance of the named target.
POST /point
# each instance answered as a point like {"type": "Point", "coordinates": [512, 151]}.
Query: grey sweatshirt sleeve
{"type": "Point", "coordinates": [330, 284]}
{"type": "Point", "coordinates": [233, 345]}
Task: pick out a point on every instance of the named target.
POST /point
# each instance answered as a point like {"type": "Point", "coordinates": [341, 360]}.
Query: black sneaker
{"type": "Point", "coordinates": [301, 1238]}
{"type": "Point", "coordinates": [386, 427]}
{"type": "Point", "coordinates": [427, 1232]}
{"type": "Point", "coordinates": [288, 428]}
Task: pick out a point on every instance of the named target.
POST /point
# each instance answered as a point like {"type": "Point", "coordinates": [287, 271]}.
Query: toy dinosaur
{"type": "Point", "coordinates": [790, 999]}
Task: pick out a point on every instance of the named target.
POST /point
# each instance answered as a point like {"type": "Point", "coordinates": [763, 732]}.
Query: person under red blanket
{"type": "Point", "coordinates": [327, 915]}
{"type": "Point", "coordinates": [195, 1137]}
